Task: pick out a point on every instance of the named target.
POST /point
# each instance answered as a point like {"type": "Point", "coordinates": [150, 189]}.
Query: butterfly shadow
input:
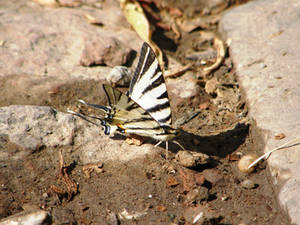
{"type": "Point", "coordinates": [219, 145]}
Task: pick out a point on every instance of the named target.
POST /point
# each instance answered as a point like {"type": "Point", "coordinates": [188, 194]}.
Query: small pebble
{"type": "Point", "coordinates": [245, 161]}
{"type": "Point", "coordinates": [32, 217]}
{"type": "Point", "coordinates": [191, 159]}
{"type": "Point", "coordinates": [119, 75]}
{"type": "Point", "coordinates": [248, 184]}
{"type": "Point", "coordinates": [45, 195]}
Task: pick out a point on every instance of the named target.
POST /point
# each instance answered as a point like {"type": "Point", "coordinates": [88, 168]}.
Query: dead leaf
{"type": "Point", "coordinates": [89, 168]}
{"type": "Point", "coordinates": [134, 14]}
{"type": "Point", "coordinates": [161, 208]}
{"type": "Point", "coordinates": [279, 136]}
{"type": "Point", "coordinates": [134, 139]}
{"type": "Point", "coordinates": [190, 25]}
{"type": "Point", "coordinates": [172, 182]}
{"type": "Point", "coordinates": [93, 20]}
{"type": "Point", "coordinates": [175, 12]}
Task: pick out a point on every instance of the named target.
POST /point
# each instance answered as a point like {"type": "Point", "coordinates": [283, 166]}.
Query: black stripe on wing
{"type": "Point", "coordinates": [163, 95]}
{"type": "Point", "coordinates": [132, 106]}
{"type": "Point", "coordinates": [159, 81]}
{"type": "Point", "coordinates": [147, 57]}
{"type": "Point", "coordinates": [158, 107]}
{"type": "Point", "coordinates": [165, 120]}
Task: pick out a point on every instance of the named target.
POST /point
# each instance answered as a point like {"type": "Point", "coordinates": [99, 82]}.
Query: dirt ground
{"type": "Point", "coordinates": [153, 189]}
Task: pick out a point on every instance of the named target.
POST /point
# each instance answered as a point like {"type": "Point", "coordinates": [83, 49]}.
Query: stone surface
{"type": "Point", "coordinates": [32, 127]}
{"type": "Point", "coordinates": [42, 46]}
{"type": "Point", "coordinates": [104, 50]}
{"type": "Point", "coordinates": [265, 47]}
{"type": "Point", "coordinates": [32, 217]}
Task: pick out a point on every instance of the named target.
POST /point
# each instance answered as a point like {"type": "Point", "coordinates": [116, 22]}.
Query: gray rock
{"type": "Point", "coordinates": [32, 217]}
{"type": "Point", "coordinates": [30, 127]}
{"type": "Point", "coordinates": [212, 175]}
{"type": "Point", "coordinates": [199, 215]}
{"type": "Point", "coordinates": [184, 88]}
{"type": "Point", "coordinates": [40, 52]}
{"type": "Point", "coordinates": [120, 75]}
{"type": "Point", "coordinates": [191, 159]}
{"type": "Point", "coordinates": [248, 184]}
{"type": "Point", "coordinates": [36, 42]}
{"type": "Point", "coordinates": [104, 50]}
{"type": "Point", "coordinates": [265, 48]}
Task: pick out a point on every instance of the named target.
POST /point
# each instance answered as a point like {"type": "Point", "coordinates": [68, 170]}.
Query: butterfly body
{"type": "Point", "coordinates": [125, 116]}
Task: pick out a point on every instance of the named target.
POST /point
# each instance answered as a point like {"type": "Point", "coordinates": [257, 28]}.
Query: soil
{"type": "Point", "coordinates": [154, 189]}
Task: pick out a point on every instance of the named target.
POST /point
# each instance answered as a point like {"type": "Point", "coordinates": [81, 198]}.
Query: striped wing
{"type": "Point", "coordinates": [145, 110]}
{"type": "Point", "coordinates": [126, 116]}
{"type": "Point", "coordinates": [148, 87]}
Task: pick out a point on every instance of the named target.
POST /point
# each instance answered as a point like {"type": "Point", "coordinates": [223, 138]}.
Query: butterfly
{"type": "Point", "coordinates": [144, 110]}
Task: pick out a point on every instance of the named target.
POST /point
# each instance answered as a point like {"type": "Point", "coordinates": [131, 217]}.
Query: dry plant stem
{"type": "Point", "coordinates": [221, 49]}
{"type": "Point", "coordinates": [71, 185]}
{"type": "Point", "coordinates": [179, 72]}
{"type": "Point", "coordinates": [267, 154]}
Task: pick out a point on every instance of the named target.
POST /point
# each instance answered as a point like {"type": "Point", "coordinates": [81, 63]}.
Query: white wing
{"type": "Point", "coordinates": [148, 87]}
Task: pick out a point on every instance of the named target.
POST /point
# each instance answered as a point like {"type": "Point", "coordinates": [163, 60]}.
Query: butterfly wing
{"type": "Point", "coordinates": [145, 110]}
{"type": "Point", "coordinates": [126, 116]}
{"type": "Point", "coordinates": [148, 87]}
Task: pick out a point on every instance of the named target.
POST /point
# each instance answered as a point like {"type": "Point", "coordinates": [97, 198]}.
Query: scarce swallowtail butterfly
{"type": "Point", "coordinates": [144, 110]}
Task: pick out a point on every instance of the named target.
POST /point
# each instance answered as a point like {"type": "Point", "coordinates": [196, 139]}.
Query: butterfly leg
{"type": "Point", "coordinates": [176, 142]}
{"type": "Point", "coordinates": [166, 147]}
{"type": "Point", "coordinates": [158, 143]}
{"type": "Point", "coordinates": [167, 150]}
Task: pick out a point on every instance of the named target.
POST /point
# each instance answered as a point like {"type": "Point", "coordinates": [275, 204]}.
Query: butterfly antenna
{"type": "Point", "coordinates": [103, 108]}
{"type": "Point", "coordinates": [84, 117]}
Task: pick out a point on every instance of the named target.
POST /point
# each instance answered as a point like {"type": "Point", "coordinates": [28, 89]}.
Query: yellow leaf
{"type": "Point", "coordinates": [134, 14]}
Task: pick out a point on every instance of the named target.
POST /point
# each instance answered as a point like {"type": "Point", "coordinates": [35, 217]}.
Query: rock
{"type": "Point", "coordinates": [191, 159]}
{"type": "Point", "coordinates": [197, 194]}
{"type": "Point", "coordinates": [182, 89]}
{"type": "Point", "coordinates": [31, 127]}
{"type": "Point", "coordinates": [28, 128]}
{"type": "Point", "coordinates": [104, 50]}
{"type": "Point", "coordinates": [263, 42]}
{"type": "Point", "coordinates": [63, 216]}
{"type": "Point", "coordinates": [245, 162]}
{"type": "Point", "coordinates": [38, 55]}
{"type": "Point", "coordinates": [112, 218]}
{"type": "Point", "coordinates": [212, 175]}
{"type": "Point", "coordinates": [32, 217]}
{"type": "Point", "coordinates": [125, 215]}
{"type": "Point", "coordinates": [198, 215]}
{"type": "Point", "coordinates": [211, 85]}
{"type": "Point", "coordinates": [191, 179]}
{"type": "Point", "coordinates": [248, 184]}
{"type": "Point", "coordinates": [120, 76]}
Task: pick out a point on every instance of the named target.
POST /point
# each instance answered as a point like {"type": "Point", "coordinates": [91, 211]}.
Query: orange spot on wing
{"type": "Point", "coordinates": [121, 127]}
